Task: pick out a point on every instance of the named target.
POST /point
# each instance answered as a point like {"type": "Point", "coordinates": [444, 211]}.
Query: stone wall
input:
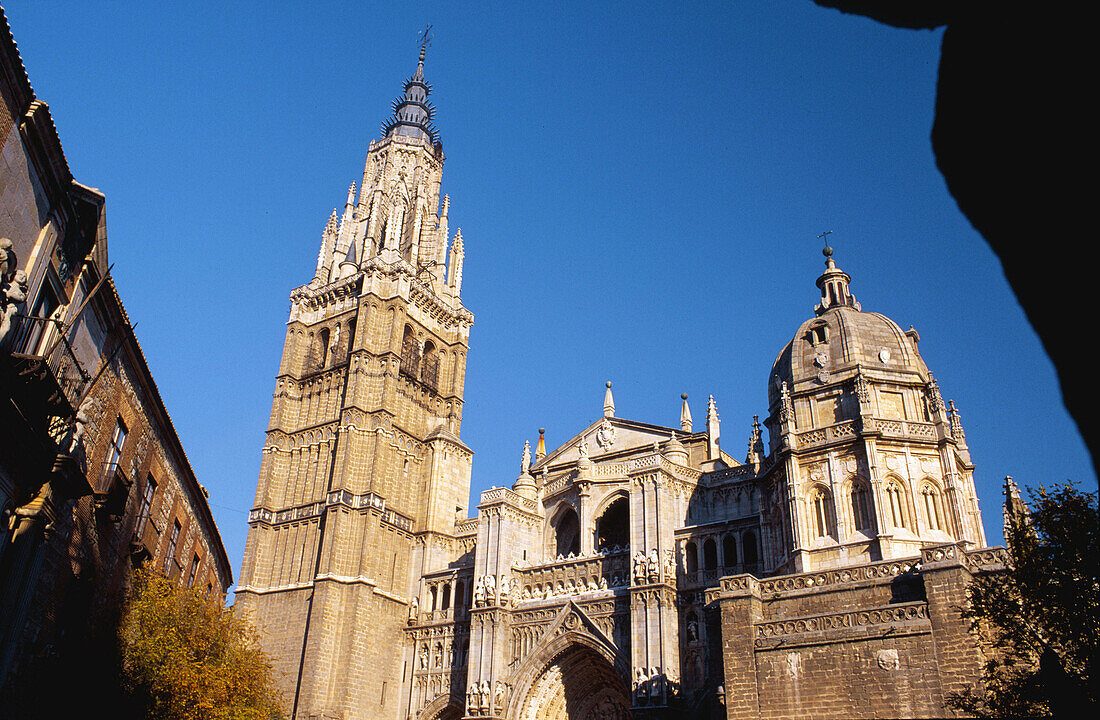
{"type": "Point", "coordinates": [878, 640]}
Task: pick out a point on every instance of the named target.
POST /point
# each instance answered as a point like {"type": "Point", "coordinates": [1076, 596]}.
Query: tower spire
{"type": "Point", "coordinates": [412, 112]}
{"type": "Point", "coordinates": [608, 402]}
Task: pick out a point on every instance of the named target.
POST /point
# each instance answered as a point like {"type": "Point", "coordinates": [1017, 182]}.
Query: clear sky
{"type": "Point", "coordinates": [640, 188]}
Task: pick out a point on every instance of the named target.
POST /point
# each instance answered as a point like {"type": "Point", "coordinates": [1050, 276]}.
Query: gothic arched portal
{"type": "Point", "coordinates": [578, 684]}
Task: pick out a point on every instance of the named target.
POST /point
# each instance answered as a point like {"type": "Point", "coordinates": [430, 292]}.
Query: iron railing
{"type": "Point", "coordinates": [36, 338]}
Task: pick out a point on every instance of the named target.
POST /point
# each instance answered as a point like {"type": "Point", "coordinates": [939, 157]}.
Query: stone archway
{"type": "Point", "coordinates": [578, 683]}
{"type": "Point", "coordinates": [443, 707]}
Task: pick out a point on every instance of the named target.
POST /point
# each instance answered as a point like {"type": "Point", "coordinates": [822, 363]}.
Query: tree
{"type": "Point", "coordinates": [1041, 615]}
{"type": "Point", "coordinates": [185, 658]}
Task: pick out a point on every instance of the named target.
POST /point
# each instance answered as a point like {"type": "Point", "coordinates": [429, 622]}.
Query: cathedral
{"type": "Point", "coordinates": [635, 571]}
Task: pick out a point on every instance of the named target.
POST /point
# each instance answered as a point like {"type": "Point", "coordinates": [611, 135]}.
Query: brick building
{"type": "Point", "coordinates": [637, 569]}
{"type": "Point", "coordinates": [93, 479]}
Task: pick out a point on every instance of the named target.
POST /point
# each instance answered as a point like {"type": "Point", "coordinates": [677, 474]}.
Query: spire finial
{"type": "Point", "coordinates": [713, 431]}
{"type": "Point", "coordinates": [425, 39]}
{"type": "Point", "coordinates": [685, 413]}
{"type": "Point", "coordinates": [412, 112]}
{"type": "Point", "coordinates": [827, 251]}
{"type": "Point", "coordinates": [608, 402]}
{"type": "Point", "coordinates": [540, 449]}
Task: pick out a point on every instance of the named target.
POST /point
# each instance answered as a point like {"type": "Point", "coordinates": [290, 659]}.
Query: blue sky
{"type": "Point", "coordinates": [640, 189]}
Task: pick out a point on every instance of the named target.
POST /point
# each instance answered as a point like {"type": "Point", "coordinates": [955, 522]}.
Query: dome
{"type": "Point", "coordinates": [841, 338]}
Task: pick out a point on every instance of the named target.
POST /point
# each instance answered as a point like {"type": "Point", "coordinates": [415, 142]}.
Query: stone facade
{"type": "Point", "coordinates": [93, 479]}
{"type": "Point", "coordinates": [637, 569]}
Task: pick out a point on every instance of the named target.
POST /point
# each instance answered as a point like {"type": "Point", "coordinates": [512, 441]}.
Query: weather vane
{"type": "Point", "coordinates": [425, 37]}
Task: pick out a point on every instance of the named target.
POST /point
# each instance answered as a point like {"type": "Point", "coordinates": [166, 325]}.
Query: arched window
{"type": "Point", "coordinates": [691, 557]}
{"type": "Point", "coordinates": [710, 554]}
{"type": "Point", "coordinates": [729, 551]}
{"type": "Point", "coordinates": [817, 334]}
{"type": "Point", "coordinates": [748, 547]}
{"type": "Point", "coordinates": [567, 532]}
{"type": "Point", "coordinates": [460, 595]}
{"type": "Point", "coordinates": [861, 506]}
{"type": "Point", "coordinates": [932, 507]}
{"type": "Point", "coordinates": [895, 498]}
{"type": "Point", "coordinates": [446, 597]}
{"type": "Point", "coordinates": [613, 527]}
{"type": "Point", "coordinates": [820, 512]}
{"type": "Point", "coordinates": [431, 591]}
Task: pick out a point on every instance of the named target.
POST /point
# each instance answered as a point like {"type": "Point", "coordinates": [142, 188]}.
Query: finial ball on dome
{"type": "Point", "coordinates": [542, 431]}
{"type": "Point", "coordinates": [827, 252]}
{"type": "Point", "coordinates": [683, 396]}
{"type": "Point", "coordinates": [609, 383]}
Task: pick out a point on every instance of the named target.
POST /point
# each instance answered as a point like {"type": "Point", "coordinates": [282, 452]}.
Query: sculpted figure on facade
{"type": "Point", "coordinates": [485, 695]}
{"type": "Point", "coordinates": [12, 295]}
{"type": "Point", "coordinates": [639, 568]}
{"type": "Point", "coordinates": [490, 589]}
{"type": "Point", "coordinates": [479, 592]}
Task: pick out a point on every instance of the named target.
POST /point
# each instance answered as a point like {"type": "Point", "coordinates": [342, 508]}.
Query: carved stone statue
{"type": "Point", "coordinates": [505, 589]}
{"type": "Point", "coordinates": [12, 295]}
{"type": "Point", "coordinates": [654, 565]}
{"type": "Point", "coordinates": [423, 657]}
{"type": "Point", "coordinates": [414, 610]}
{"type": "Point", "coordinates": [479, 593]}
{"type": "Point", "coordinates": [7, 259]}
{"type": "Point", "coordinates": [485, 695]}
{"type": "Point", "coordinates": [490, 589]}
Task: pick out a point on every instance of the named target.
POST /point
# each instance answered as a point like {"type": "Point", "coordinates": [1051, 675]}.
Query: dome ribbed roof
{"type": "Point", "coordinates": [841, 337]}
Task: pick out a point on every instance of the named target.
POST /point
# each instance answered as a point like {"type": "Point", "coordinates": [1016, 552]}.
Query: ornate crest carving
{"type": "Point", "coordinates": [605, 435]}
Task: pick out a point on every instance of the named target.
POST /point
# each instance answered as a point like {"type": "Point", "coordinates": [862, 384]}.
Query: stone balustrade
{"type": "Point", "coordinates": [572, 576]}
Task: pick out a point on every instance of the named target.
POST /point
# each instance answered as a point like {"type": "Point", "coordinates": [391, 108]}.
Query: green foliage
{"type": "Point", "coordinates": [185, 658]}
{"type": "Point", "coordinates": [1041, 617]}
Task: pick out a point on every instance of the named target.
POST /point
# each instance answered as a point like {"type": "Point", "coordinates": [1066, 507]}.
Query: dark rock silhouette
{"type": "Point", "coordinates": [1010, 139]}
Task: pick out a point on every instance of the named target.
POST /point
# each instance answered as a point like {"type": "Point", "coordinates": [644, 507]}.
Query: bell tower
{"type": "Point", "coordinates": [363, 465]}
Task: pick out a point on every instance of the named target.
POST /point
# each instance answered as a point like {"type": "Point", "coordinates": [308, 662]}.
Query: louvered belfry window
{"type": "Point", "coordinates": [410, 354]}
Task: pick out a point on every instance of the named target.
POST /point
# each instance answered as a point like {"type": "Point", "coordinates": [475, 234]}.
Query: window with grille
{"type": "Point", "coordinates": [114, 452]}
{"type": "Point", "coordinates": [193, 572]}
{"type": "Point", "coordinates": [173, 541]}
{"type": "Point", "coordinates": [146, 508]}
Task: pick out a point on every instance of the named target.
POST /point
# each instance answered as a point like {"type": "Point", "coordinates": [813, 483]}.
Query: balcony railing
{"type": "Point", "coordinates": [37, 339]}
{"type": "Point", "coordinates": [113, 490]}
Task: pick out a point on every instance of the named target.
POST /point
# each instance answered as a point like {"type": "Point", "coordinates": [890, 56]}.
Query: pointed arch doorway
{"type": "Point", "coordinates": [578, 683]}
